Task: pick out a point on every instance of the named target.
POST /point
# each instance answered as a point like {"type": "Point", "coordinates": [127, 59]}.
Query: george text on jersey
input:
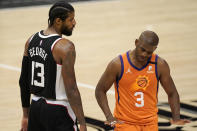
{"type": "Point", "coordinates": [36, 51]}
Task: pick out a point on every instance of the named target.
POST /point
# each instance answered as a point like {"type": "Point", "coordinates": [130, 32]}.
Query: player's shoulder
{"type": "Point", "coordinates": [30, 38]}
{"type": "Point", "coordinates": [161, 61]}
{"type": "Point", "coordinates": [119, 59]}
{"type": "Point", "coordinates": [65, 41]}
{"type": "Point", "coordinates": [115, 64]}
{"type": "Point", "coordinates": [162, 65]}
{"type": "Point", "coordinates": [65, 44]}
{"type": "Point", "coordinates": [27, 45]}
{"type": "Point", "coordinates": [116, 61]}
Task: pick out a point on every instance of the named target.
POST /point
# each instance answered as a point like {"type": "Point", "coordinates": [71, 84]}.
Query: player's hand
{"type": "Point", "coordinates": [111, 121]}
{"type": "Point", "coordinates": [179, 122]}
{"type": "Point", "coordinates": [83, 128]}
{"type": "Point", "coordinates": [24, 124]}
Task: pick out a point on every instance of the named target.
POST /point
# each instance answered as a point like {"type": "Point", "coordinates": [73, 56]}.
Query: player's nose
{"type": "Point", "coordinates": [74, 22]}
{"type": "Point", "coordinates": [144, 54]}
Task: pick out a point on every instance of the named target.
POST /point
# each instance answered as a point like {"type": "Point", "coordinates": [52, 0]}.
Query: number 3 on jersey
{"type": "Point", "coordinates": [140, 99]}
{"type": "Point", "coordinates": [40, 74]}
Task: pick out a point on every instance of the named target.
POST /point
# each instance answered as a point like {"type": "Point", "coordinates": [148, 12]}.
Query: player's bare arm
{"type": "Point", "coordinates": [65, 54]}
{"type": "Point", "coordinates": [25, 93]}
{"type": "Point", "coordinates": [170, 88]}
{"type": "Point", "coordinates": [110, 75]}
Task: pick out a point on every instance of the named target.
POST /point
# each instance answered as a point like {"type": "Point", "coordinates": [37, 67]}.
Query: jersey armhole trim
{"type": "Point", "coordinates": [52, 47]}
{"type": "Point", "coordinates": [156, 70]}
{"type": "Point", "coordinates": [54, 43]}
{"type": "Point", "coordinates": [122, 67]}
{"type": "Point", "coordinates": [118, 79]}
{"type": "Point", "coordinates": [31, 38]}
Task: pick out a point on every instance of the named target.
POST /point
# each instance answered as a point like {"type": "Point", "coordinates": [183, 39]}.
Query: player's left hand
{"type": "Point", "coordinates": [179, 122]}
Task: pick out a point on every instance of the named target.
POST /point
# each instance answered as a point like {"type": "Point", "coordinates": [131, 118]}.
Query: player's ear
{"type": "Point", "coordinates": [136, 42]}
{"type": "Point", "coordinates": [154, 48]}
{"type": "Point", "coordinates": [58, 21]}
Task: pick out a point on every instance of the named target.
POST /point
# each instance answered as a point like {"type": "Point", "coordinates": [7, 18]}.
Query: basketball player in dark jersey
{"type": "Point", "coordinates": [48, 74]}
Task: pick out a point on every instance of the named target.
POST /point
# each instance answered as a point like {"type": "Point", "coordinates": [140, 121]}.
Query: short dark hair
{"type": "Point", "coordinates": [149, 37]}
{"type": "Point", "coordinates": [60, 9]}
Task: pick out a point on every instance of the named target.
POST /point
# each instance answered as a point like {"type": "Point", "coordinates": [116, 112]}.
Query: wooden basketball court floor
{"type": "Point", "coordinates": [104, 30]}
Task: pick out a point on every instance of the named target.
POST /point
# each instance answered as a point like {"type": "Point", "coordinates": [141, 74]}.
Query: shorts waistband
{"type": "Point", "coordinates": [53, 102]}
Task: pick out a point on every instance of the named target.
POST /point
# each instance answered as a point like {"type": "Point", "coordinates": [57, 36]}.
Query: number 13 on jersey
{"type": "Point", "coordinates": [140, 99]}
{"type": "Point", "coordinates": [40, 74]}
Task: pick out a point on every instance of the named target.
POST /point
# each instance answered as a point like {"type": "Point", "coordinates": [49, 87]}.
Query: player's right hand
{"type": "Point", "coordinates": [111, 121]}
{"type": "Point", "coordinates": [24, 124]}
{"type": "Point", "coordinates": [83, 128]}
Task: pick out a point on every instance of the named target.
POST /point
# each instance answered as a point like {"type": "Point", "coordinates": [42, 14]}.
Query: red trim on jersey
{"type": "Point", "coordinates": [53, 48]}
{"type": "Point", "coordinates": [55, 44]}
{"type": "Point", "coordinates": [66, 110]}
{"type": "Point", "coordinates": [54, 104]}
{"type": "Point", "coordinates": [71, 118]}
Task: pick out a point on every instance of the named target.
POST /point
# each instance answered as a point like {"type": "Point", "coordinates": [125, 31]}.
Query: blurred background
{"type": "Point", "coordinates": [105, 29]}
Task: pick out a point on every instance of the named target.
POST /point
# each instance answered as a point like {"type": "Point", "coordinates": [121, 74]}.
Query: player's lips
{"type": "Point", "coordinates": [142, 58]}
{"type": "Point", "coordinates": [72, 28]}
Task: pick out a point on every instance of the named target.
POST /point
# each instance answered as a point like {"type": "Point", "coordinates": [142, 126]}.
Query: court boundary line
{"type": "Point", "coordinates": [4, 66]}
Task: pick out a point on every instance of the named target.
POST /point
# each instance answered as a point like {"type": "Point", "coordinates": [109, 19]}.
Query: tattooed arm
{"type": "Point", "coordinates": [65, 54]}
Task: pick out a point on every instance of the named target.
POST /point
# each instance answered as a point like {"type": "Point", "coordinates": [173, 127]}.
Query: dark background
{"type": "Point", "coordinates": [21, 3]}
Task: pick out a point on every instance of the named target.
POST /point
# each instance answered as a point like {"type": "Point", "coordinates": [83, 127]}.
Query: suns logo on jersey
{"type": "Point", "coordinates": [142, 82]}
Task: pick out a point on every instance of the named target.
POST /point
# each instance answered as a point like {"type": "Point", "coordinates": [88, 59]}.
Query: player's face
{"type": "Point", "coordinates": [69, 24]}
{"type": "Point", "coordinates": [143, 51]}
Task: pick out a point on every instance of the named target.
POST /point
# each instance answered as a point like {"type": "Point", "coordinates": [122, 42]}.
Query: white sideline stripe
{"type": "Point", "coordinates": [92, 87]}
{"type": "Point", "coordinates": [78, 83]}
{"type": "Point", "coordinates": [10, 67]}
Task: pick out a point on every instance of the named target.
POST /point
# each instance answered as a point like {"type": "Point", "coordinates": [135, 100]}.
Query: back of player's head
{"type": "Point", "coordinates": [60, 9]}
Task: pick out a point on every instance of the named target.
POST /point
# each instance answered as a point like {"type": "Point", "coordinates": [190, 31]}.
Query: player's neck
{"type": "Point", "coordinates": [52, 30]}
{"type": "Point", "coordinates": [135, 61]}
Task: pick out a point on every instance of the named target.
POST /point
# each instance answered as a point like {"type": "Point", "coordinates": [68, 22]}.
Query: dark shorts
{"type": "Point", "coordinates": [49, 117]}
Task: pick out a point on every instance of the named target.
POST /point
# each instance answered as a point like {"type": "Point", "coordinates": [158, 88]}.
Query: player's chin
{"type": "Point", "coordinates": [142, 59]}
{"type": "Point", "coordinates": [67, 33]}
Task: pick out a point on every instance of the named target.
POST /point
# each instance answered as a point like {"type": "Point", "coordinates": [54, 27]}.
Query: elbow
{"type": "Point", "coordinates": [173, 95]}
{"type": "Point", "coordinates": [96, 93]}
{"type": "Point", "coordinates": [99, 93]}
{"type": "Point", "coordinates": [20, 82]}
